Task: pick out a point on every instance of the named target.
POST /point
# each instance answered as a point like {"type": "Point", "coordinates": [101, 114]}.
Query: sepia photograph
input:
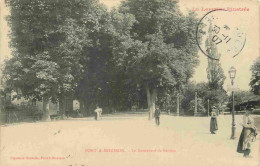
{"type": "Point", "coordinates": [129, 83]}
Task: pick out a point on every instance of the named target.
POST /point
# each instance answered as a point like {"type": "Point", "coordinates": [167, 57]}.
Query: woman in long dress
{"type": "Point", "coordinates": [247, 135]}
{"type": "Point", "coordinates": [213, 121]}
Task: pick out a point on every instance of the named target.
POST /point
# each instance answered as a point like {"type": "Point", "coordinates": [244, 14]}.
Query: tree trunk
{"type": "Point", "coordinates": [8, 99]}
{"type": "Point", "coordinates": [86, 108]}
{"type": "Point", "coordinates": [69, 102]}
{"type": "Point", "coordinates": [148, 102]}
{"type": "Point", "coordinates": [46, 114]}
{"type": "Point", "coordinates": [62, 107]}
{"type": "Point", "coordinates": [81, 107]}
{"type": "Point", "coordinates": [178, 105]}
{"type": "Point", "coordinates": [66, 106]}
{"type": "Point", "coordinates": [151, 98]}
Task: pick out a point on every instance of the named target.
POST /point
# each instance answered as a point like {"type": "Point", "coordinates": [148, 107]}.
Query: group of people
{"type": "Point", "coordinates": [247, 135]}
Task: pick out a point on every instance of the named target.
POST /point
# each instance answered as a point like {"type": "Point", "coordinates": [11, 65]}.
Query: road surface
{"type": "Point", "coordinates": [124, 141]}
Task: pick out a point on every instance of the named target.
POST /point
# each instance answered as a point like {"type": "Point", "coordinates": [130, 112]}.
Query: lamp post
{"type": "Point", "coordinates": [232, 74]}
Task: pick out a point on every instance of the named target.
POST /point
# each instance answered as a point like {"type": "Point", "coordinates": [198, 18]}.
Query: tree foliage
{"type": "Point", "coordinates": [255, 78]}
{"type": "Point", "coordinates": [165, 49]}
{"type": "Point", "coordinates": [243, 100]}
{"type": "Point", "coordinates": [112, 58]}
{"type": "Point", "coordinates": [216, 97]}
{"type": "Point", "coordinates": [215, 74]}
{"type": "Point", "coordinates": [42, 65]}
{"type": "Point", "coordinates": [163, 53]}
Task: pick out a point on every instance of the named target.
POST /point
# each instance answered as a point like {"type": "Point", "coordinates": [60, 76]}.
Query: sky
{"type": "Point", "coordinates": [247, 20]}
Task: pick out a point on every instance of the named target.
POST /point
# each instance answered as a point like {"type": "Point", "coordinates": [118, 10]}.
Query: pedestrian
{"type": "Point", "coordinates": [98, 112]}
{"type": "Point", "coordinates": [157, 114]}
{"type": "Point", "coordinates": [247, 135]}
{"type": "Point", "coordinates": [213, 121]}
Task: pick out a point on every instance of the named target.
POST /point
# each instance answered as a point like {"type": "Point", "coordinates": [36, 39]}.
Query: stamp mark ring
{"type": "Point", "coordinates": [222, 30]}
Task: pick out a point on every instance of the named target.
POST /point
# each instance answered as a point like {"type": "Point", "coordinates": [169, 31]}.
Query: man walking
{"type": "Point", "coordinates": [157, 116]}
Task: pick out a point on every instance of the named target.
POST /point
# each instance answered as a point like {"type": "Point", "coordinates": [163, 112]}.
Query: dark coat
{"type": "Point", "coordinates": [157, 113]}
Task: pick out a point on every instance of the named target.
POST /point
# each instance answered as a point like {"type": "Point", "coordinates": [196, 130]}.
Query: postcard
{"type": "Point", "coordinates": [130, 83]}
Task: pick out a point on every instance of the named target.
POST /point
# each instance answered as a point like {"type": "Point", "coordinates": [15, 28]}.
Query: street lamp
{"type": "Point", "coordinates": [232, 74]}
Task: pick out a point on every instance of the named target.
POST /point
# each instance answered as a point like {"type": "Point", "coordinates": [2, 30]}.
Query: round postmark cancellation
{"type": "Point", "coordinates": [220, 31]}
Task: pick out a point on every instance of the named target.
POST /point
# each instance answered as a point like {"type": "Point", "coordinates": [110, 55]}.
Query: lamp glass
{"type": "Point", "coordinates": [232, 72]}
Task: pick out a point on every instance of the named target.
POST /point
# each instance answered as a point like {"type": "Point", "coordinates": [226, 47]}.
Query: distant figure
{"type": "Point", "coordinates": [98, 113]}
{"type": "Point", "coordinates": [213, 121]}
{"type": "Point", "coordinates": [247, 135]}
{"type": "Point", "coordinates": [157, 114]}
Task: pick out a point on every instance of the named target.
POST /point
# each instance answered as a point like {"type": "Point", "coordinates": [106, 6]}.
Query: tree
{"type": "Point", "coordinates": [77, 48]}
{"type": "Point", "coordinates": [243, 100]}
{"type": "Point", "coordinates": [84, 44]}
{"type": "Point", "coordinates": [255, 78]}
{"type": "Point", "coordinates": [66, 49]}
{"type": "Point", "coordinates": [216, 97]}
{"type": "Point", "coordinates": [215, 92]}
{"type": "Point", "coordinates": [215, 74]}
{"type": "Point", "coordinates": [102, 83]}
{"type": "Point", "coordinates": [42, 66]}
{"type": "Point", "coordinates": [200, 106]}
{"type": "Point", "coordinates": [163, 50]}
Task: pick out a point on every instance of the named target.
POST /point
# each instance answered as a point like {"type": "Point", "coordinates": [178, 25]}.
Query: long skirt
{"type": "Point", "coordinates": [213, 124]}
{"type": "Point", "coordinates": [246, 137]}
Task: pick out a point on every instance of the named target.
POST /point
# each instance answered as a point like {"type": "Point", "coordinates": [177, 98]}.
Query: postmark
{"type": "Point", "coordinates": [222, 31]}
